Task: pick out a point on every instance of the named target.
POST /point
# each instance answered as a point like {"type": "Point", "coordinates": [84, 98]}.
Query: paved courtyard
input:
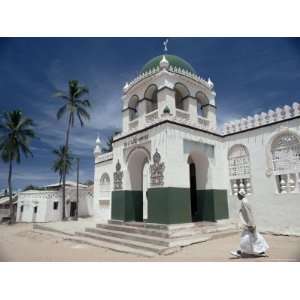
{"type": "Point", "coordinates": [20, 243]}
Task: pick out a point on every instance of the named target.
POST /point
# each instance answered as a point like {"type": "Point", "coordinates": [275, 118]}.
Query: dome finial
{"type": "Point", "coordinates": [164, 63]}
{"type": "Point", "coordinates": [97, 150]}
{"type": "Point", "coordinates": [165, 43]}
{"type": "Point", "coordinates": [210, 83]}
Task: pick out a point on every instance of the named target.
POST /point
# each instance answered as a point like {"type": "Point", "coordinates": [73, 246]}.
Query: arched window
{"type": "Point", "coordinates": [239, 169]}
{"type": "Point", "coordinates": [133, 109]}
{"type": "Point", "coordinates": [105, 188]}
{"type": "Point", "coordinates": [151, 98]}
{"type": "Point", "coordinates": [181, 92]}
{"type": "Point", "coordinates": [202, 104]}
{"type": "Point", "coordinates": [285, 150]}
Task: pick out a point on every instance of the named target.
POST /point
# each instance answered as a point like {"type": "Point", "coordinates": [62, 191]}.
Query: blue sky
{"type": "Point", "coordinates": [251, 75]}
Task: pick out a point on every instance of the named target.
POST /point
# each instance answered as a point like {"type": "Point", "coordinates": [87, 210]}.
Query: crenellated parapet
{"type": "Point", "coordinates": [280, 113]}
{"type": "Point", "coordinates": [103, 157]}
{"type": "Point", "coordinates": [173, 69]}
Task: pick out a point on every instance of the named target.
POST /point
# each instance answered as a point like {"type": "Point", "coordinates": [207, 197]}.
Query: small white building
{"type": "Point", "coordinates": [170, 164]}
{"type": "Point", "coordinates": [46, 205]}
{"type": "Point", "coordinates": [5, 206]}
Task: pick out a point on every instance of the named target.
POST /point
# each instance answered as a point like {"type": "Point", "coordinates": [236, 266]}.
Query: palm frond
{"type": "Point", "coordinates": [61, 94]}
{"type": "Point", "coordinates": [15, 139]}
{"type": "Point", "coordinates": [85, 103]}
{"type": "Point", "coordinates": [83, 113]}
{"type": "Point", "coordinates": [81, 91]}
{"type": "Point", "coordinates": [80, 119]}
{"type": "Point", "coordinates": [61, 112]}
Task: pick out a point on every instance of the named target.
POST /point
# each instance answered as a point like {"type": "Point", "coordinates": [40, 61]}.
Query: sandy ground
{"type": "Point", "coordinates": [20, 243]}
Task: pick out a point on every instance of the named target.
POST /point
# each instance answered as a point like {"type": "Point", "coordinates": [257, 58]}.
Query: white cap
{"type": "Point", "coordinates": [242, 192]}
{"type": "Point", "coordinates": [97, 150]}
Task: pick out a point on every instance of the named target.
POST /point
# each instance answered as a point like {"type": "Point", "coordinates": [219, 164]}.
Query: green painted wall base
{"type": "Point", "coordinates": [170, 205]}
{"type": "Point", "coordinates": [212, 205]}
{"type": "Point", "coordinates": [127, 206]}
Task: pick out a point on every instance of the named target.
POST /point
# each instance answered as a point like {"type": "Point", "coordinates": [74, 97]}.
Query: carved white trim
{"type": "Point", "coordinates": [284, 113]}
{"type": "Point", "coordinates": [269, 157]}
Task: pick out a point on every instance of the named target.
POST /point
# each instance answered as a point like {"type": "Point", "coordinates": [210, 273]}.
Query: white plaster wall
{"type": "Point", "coordinates": [100, 212]}
{"type": "Point", "coordinates": [44, 201]}
{"type": "Point", "coordinates": [181, 142]}
{"type": "Point", "coordinates": [273, 211]}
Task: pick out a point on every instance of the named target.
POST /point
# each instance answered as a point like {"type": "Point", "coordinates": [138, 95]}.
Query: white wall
{"type": "Point", "coordinates": [102, 208]}
{"type": "Point", "coordinates": [273, 211]}
{"type": "Point", "coordinates": [44, 200]}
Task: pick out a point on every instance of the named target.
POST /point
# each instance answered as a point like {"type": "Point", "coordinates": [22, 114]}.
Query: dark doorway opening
{"type": "Point", "coordinates": [73, 209]}
{"type": "Point", "coordinates": [193, 190]}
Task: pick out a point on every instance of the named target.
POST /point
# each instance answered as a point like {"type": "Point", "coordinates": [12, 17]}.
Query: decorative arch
{"type": "Point", "coordinates": [141, 148]}
{"type": "Point", "coordinates": [283, 160]}
{"type": "Point", "coordinates": [104, 178]}
{"type": "Point", "coordinates": [181, 92]}
{"type": "Point", "coordinates": [239, 168]}
{"type": "Point", "coordinates": [105, 187]}
{"type": "Point", "coordinates": [151, 96]}
{"type": "Point", "coordinates": [282, 132]}
{"type": "Point", "coordinates": [202, 102]}
{"type": "Point", "coordinates": [133, 107]}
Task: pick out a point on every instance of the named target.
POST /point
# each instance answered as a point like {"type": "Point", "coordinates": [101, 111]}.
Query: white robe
{"type": "Point", "coordinates": [251, 242]}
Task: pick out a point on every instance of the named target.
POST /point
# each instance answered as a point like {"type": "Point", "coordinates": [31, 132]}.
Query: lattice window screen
{"type": "Point", "coordinates": [239, 164]}
{"type": "Point", "coordinates": [286, 154]}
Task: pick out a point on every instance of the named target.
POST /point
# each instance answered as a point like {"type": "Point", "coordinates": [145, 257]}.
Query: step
{"type": "Point", "coordinates": [170, 231]}
{"type": "Point", "coordinates": [171, 227]}
{"type": "Point", "coordinates": [111, 246]}
{"type": "Point", "coordinates": [132, 229]}
{"type": "Point", "coordinates": [139, 224]}
{"type": "Point", "coordinates": [166, 242]}
{"type": "Point", "coordinates": [134, 244]}
{"type": "Point", "coordinates": [220, 228]}
{"type": "Point", "coordinates": [130, 236]}
{"type": "Point", "coordinates": [222, 234]}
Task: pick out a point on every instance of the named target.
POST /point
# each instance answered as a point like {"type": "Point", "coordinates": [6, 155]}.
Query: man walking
{"type": "Point", "coordinates": [252, 242]}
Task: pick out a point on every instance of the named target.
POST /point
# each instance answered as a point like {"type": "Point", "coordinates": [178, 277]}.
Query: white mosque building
{"type": "Point", "coordinates": [171, 165]}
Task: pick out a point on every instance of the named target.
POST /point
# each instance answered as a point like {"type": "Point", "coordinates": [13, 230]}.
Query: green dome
{"type": "Point", "coordinates": [174, 61]}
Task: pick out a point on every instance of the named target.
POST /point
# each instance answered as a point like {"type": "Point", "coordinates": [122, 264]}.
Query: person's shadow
{"type": "Point", "coordinates": [247, 256]}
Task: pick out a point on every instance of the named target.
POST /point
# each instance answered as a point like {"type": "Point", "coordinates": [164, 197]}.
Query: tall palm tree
{"type": "Point", "coordinates": [16, 133]}
{"type": "Point", "coordinates": [75, 107]}
{"type": "Point", "coordinates": [60, 161]}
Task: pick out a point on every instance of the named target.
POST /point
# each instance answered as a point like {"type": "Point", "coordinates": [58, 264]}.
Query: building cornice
{"type": "Point", "coordinates": [100, 162]}
{"type": "Point", "coordinates": [201, 130]}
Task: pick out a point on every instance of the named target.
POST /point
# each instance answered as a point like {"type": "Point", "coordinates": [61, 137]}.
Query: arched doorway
{"type": "Point", "coordinates": [138, 175]}
{"type": "Point", "coordinates": [198, 175]}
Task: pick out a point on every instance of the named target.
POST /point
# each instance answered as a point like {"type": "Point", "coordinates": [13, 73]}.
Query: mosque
{"type": "Point", "coordinates": [171, 164]}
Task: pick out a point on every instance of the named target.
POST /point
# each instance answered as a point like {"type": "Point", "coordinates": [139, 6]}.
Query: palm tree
{"type": "Point", "coordinates": [109, 142]}
{"type": "Point", "coordinates": [75, 108]}
{"type": "Point", "coordinates": [58, 164]}
{"type": "Point", "coordinates": [16, 133]}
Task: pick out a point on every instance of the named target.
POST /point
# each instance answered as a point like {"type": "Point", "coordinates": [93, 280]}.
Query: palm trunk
{"type": "Point", "coordinates": [64, 171]}
{"type": "Point", "coordinates": [11, 205]}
